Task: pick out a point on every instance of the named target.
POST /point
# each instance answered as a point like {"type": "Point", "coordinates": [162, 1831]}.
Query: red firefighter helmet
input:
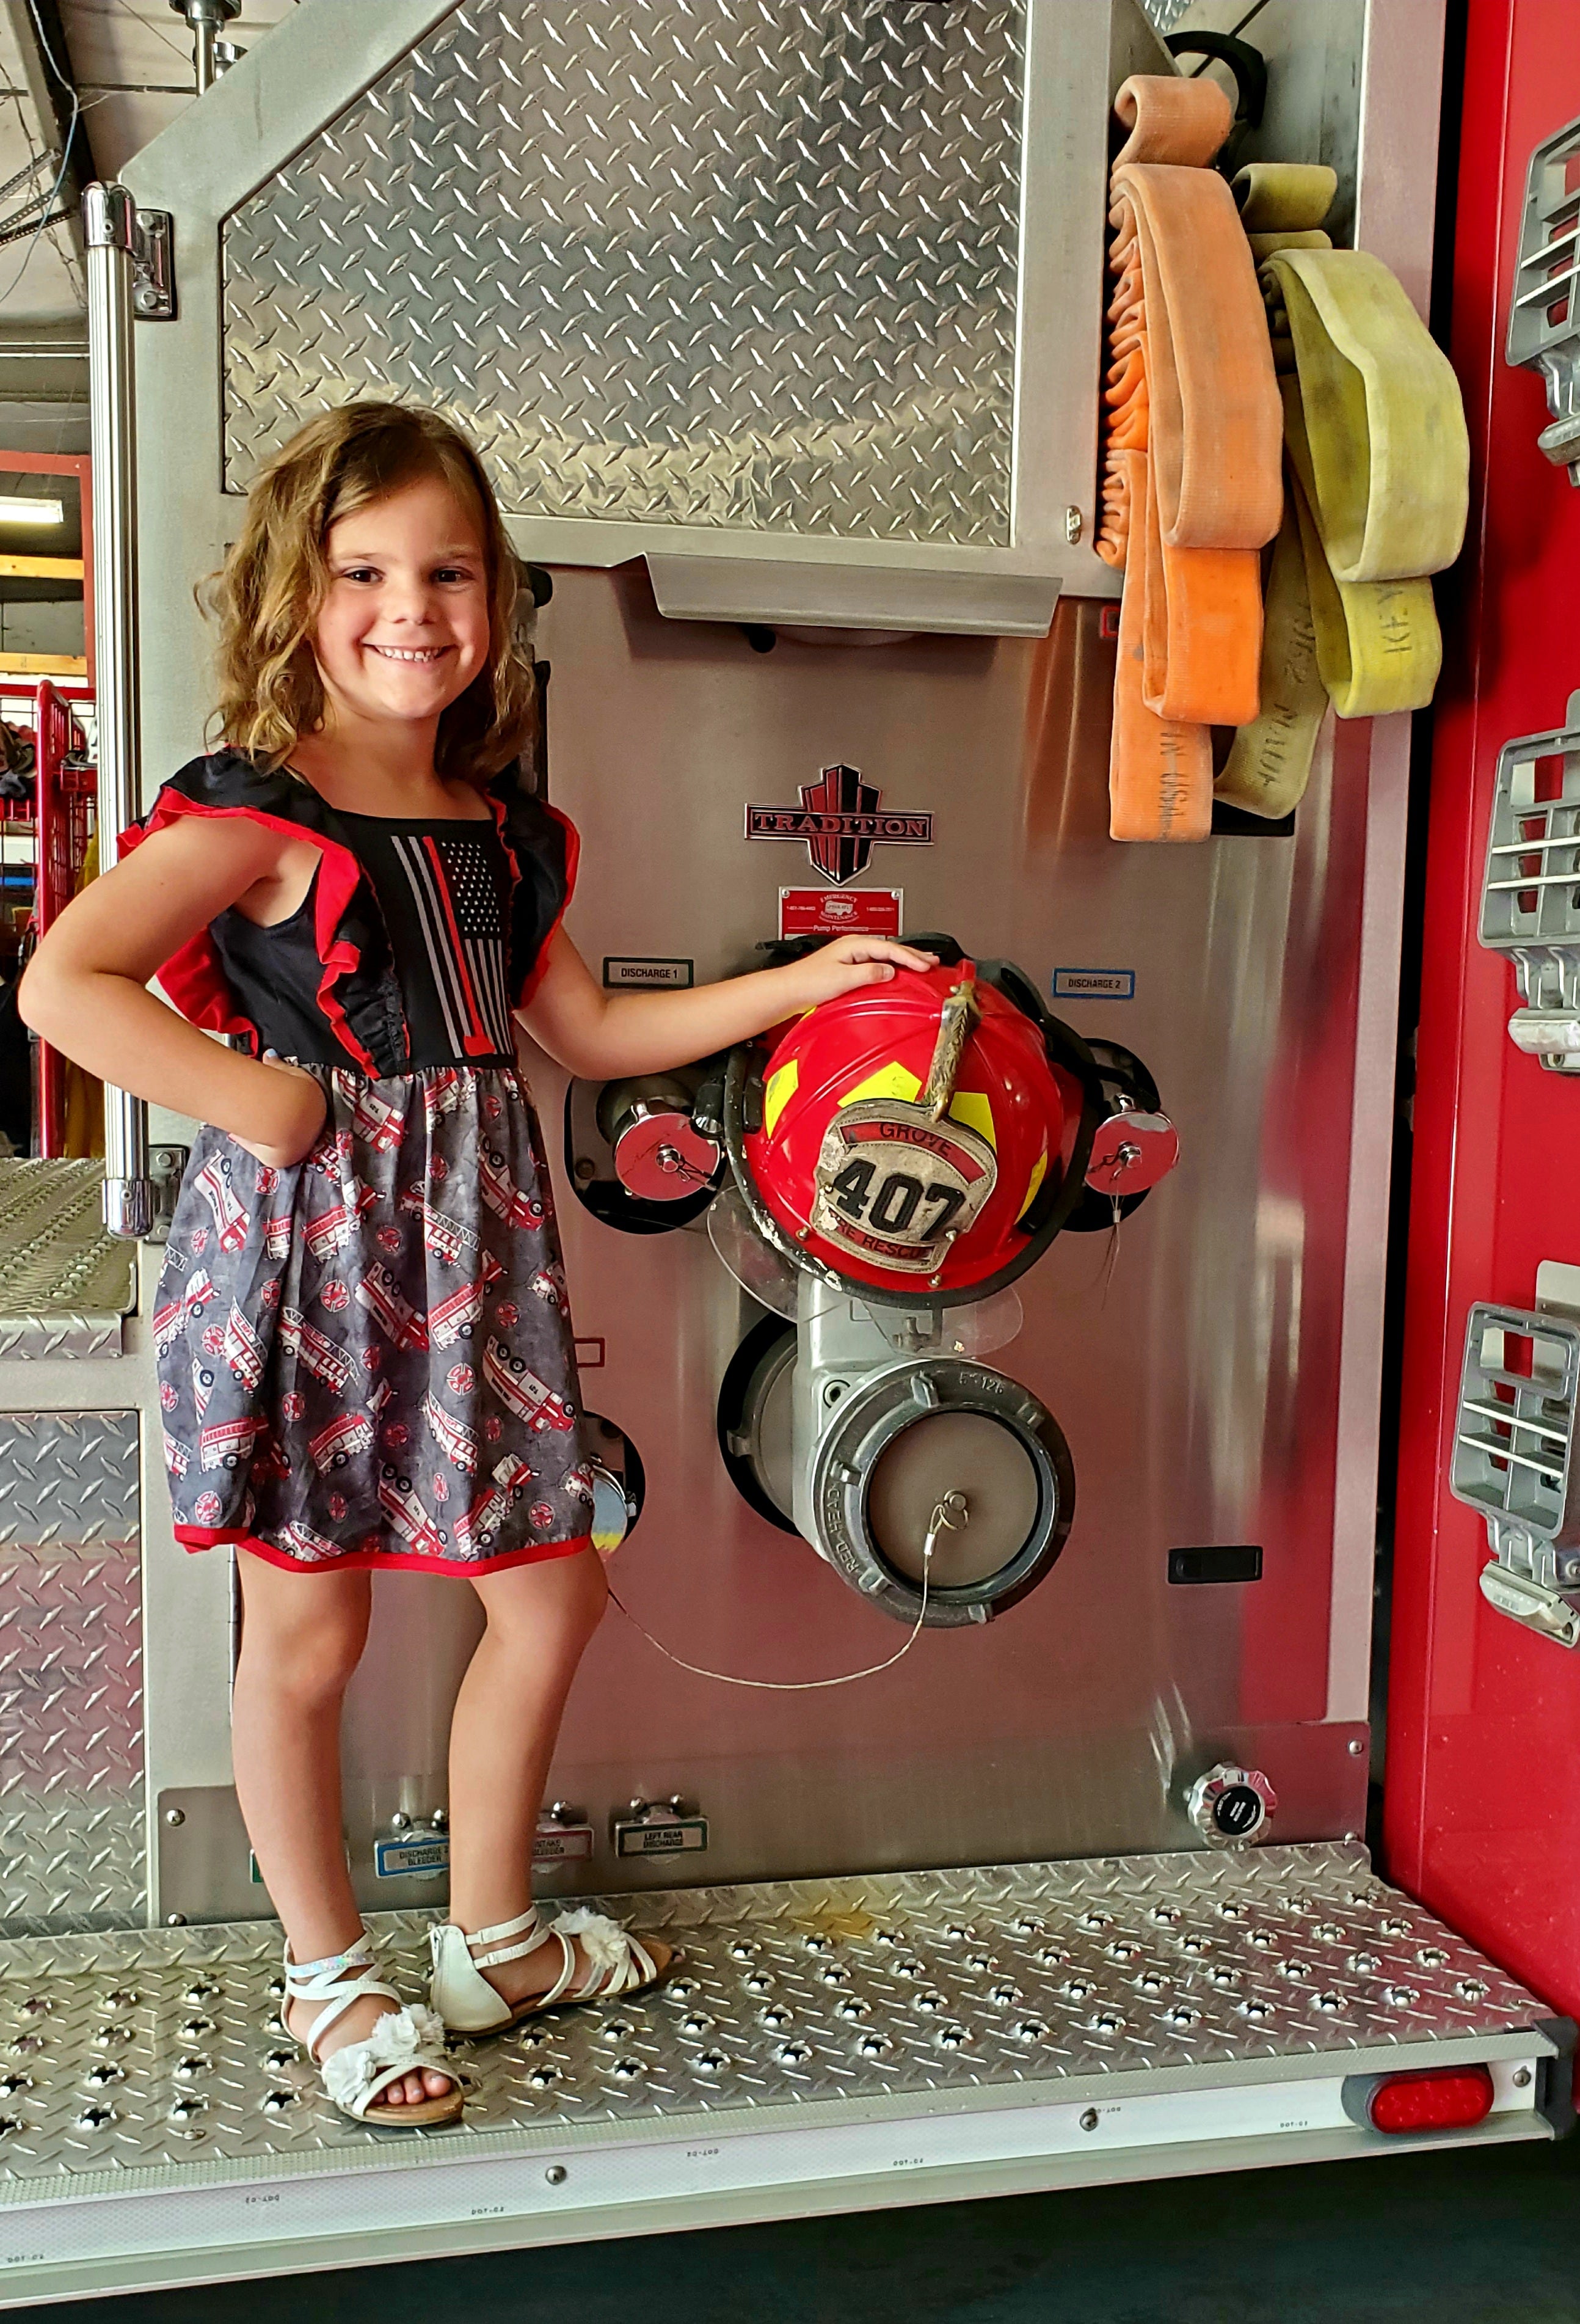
{"type": "Point", "coordinates": [907, 1130]}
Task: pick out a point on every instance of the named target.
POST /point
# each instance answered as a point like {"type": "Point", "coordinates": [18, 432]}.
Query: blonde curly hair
{"type": "Point", "coordinates": [266, 595]}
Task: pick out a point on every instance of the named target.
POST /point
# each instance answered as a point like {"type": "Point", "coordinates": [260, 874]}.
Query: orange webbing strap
{"type": "Point", "coordinates": [1192, 484]}
{"type": "Point", "coordinates": [1159, 768]}
{"type": "Point", "coordinates": [1172, 120]}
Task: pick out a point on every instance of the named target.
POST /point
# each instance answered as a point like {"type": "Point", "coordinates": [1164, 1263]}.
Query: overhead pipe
{"type": "Point", "coordinates": [208, 19]}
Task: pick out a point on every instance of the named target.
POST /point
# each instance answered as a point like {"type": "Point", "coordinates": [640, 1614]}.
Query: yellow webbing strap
{"type": "Point", "coordinates": [1268, 764]}
{"type": "Point", "coordinates": [1262, 245]}
{"type": "Point", "coordinates": [1192, 478]}
{"type": "Point", "coordinates": [1378, 481]}
{"type": "Point", "coordinates": [1285, 197]}
{"type": "Point", "coordinates": [1378, 645]}
{"type": "Point", "coordinates": [1389, 454]}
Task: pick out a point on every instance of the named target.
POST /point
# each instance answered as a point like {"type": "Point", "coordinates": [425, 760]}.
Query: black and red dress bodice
{"type": "Point", "coordinates": [413, 944]}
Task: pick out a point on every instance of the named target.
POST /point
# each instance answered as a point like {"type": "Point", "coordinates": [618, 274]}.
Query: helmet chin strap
{"type": "Point", "coordinates": [951, 1514]}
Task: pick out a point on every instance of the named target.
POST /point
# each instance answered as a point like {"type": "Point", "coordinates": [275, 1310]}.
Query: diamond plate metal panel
{"type": "Point", "coordinates": [72, 1792]}
{"type": "Point", "coordinates": [714, 263]}
{"type": "Point", "coordinates": [62, 1333]}
{"type": "Point", "coordinates": [64, 1283]}
{"type": "Point", "coordinates": [157, 2049]}
{"type": "Point", "coordinates": [1166, 14]}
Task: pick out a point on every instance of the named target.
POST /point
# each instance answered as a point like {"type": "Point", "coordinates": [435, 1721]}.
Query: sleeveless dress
{"type": "Point", "coordinates": [367, 1361]}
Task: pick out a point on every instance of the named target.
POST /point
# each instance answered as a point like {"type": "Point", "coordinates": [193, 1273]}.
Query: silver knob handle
{"type": "Point", "coordinates": [1230, 1806]}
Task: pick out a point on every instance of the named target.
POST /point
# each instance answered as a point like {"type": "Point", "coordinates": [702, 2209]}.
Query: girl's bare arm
{"type": "Point", "coordinates": [600, 1035]}
{"type": "Point", "coordinates": [84, 989]}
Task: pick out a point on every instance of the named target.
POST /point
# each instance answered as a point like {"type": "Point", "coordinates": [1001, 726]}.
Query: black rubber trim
{"type": "Point", "coordinates": [763, 1336]}
{"type": "Point", "coordinates": [1248, 65]}
{"type": "Point", "coordinates": [607, 1201]}
{"type": "Point", "coordinates": [635, 1479]}
{"type": "Point", "coordinates": [1121, 1070]}
{"type": "Point", "coordinates": [1555, 2089]}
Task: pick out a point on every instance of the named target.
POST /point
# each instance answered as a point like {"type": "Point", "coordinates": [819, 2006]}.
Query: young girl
{"type": "Point", "coordinates": [357, 884]}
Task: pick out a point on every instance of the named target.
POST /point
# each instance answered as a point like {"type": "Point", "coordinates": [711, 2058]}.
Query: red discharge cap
{"type": "Point", "coordinates": [908, 1128]}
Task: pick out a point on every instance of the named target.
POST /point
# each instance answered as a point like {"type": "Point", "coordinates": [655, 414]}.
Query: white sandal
{"type": "Point", "coordinates": [405, 2040]}
{"type": "Point", "coordinates": [616, 1964]}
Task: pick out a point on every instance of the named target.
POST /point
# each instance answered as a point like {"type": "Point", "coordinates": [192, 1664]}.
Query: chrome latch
{"type": "Point", "coordinates": [167, 1167]}
{"type": "Point", "coordinates": [1544, 312]}
{"type": "Point", "coordinates": [1530, 889]}
{"type": "Point", "coordinates": [1513, 1452]}
{"type": "Point", "coordinates": [1230, 1806]}
{"type": "Point", "coordinates": [153, 267]}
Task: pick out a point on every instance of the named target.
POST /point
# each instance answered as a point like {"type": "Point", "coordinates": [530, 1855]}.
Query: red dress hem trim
{"type": "Point", "coordinates": [193, 1539]}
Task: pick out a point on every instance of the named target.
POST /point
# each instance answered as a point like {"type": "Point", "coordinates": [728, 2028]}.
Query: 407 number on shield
{"type": "Point", "coordinates": [890, 1207]}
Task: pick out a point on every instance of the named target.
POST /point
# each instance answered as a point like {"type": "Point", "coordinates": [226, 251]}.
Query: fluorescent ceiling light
{"type": "Point", "coordinates": [21, 511]}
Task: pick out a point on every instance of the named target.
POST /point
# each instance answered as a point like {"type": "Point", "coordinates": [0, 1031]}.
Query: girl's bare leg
{"type": "Point", "coordinates": [540, 1619]}
{"type": "Point", "coordinates": [302, 1637]}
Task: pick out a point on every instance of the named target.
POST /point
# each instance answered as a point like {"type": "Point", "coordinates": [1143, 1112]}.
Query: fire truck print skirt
{"type": "Point", "coordinates": [367, 1361]}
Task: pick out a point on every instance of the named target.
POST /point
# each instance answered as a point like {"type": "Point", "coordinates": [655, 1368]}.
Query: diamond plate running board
{"type": "Point", "coordinates": [828, 2044]}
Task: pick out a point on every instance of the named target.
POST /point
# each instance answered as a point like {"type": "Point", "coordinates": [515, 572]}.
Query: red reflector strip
{"type": "Point", "coordinates": [1439, 2098]}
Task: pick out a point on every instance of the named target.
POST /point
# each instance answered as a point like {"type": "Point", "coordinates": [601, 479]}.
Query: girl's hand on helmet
{"type": "Point", "coordinates": [850, 962]}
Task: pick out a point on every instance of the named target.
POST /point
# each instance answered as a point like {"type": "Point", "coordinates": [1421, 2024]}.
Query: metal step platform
{"type": "Point", "coordinates": [827, 2045]}
{"type": "Point", "coordinates": [65, 1284]}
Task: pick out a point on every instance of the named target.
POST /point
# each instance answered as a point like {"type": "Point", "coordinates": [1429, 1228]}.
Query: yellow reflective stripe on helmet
{"type": "Point", "coordinates": [778, 1093]}
{"type": "Point", "coordinates": [1039, 1172]}
{"type": "Point", "coordinates": [889, 1081]}
{"type": "Point", "coordinates": [972, 1108]}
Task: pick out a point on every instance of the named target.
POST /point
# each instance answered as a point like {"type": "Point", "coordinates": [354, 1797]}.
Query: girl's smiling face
{"type": "Point", "coordinates": [403, 628]}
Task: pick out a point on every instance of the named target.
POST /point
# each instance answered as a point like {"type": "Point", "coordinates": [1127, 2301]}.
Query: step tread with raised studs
{"type": "Point", "coordinates": [154, 2057]}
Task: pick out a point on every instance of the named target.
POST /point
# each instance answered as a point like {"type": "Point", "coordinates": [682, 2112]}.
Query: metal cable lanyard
{"type": "Point", "coordinates": [950, 1514]}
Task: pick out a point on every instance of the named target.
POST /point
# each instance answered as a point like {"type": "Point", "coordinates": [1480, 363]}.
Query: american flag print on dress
{"type": "Point", "coordinates": [455, 892]}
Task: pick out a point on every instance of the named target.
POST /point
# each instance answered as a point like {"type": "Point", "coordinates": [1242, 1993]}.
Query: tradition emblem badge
{"type": "Point", "coordinates": [842, 821]}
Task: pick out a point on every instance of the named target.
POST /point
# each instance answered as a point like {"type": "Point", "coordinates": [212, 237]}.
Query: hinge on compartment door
{"type": "Point", "coordinates": [153, 267]}
{"type": "Point", "coordinates": [1544, 310]}
{"type": "Point", "coordinates": [1530, 890]}
{"type": "Point", "coordinates": [1514, 1452]}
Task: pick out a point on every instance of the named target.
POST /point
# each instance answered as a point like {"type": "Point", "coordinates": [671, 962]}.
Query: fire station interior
{"type": "Point", "coordinates": [1083, 1474]}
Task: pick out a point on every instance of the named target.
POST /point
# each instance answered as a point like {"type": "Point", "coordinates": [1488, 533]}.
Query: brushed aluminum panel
{"type": "Point", "coordinates": [1195, 1380]}
{"type": "Point", "coordinates": [698, 262]}
{"type": "Point", "coordinates": [1196, 1377]}
{"type": "Point", "coordinates": [71, 1798]}
{"type": "Point", "coordinates": [1218, 1387]}
{"type": "Point", "coordinates": [156, 2052]}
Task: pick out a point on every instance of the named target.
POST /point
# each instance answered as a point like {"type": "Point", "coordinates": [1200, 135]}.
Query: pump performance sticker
{"type": "Point", "coordinates": [841, 912]}
{"type": "Point", "coordinates": [1093, 984]}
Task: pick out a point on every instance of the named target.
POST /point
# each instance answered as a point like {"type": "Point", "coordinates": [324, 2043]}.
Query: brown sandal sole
{"type": "Point", "coordinates": [423, 2115]}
